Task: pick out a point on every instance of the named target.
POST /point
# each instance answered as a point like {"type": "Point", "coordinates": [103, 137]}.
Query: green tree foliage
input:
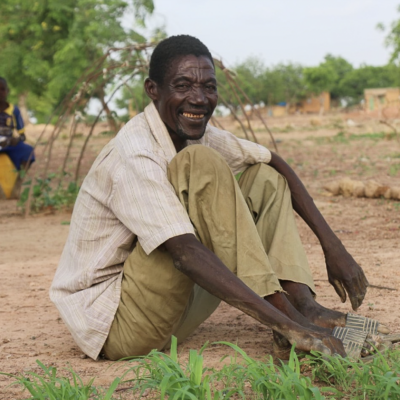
{"type": "Point", "coordinates": [286, 82]}
{"type": "Point", "coordinates": [291, 83]}
{"type": "Point", "coordinates": [341, 68]}
{"type": "Point", "coordinates": [320, 79]}
{"type": "Point", "coordinates": [133, 98]}
{"type": "Point", "coordinates": [392, 39]}
{"type": "Point", "coordinates": [280, 83]}
{"type": "Point", "coordinates": [354, 83]}
{"type": "Point", "coordinates": [47, 44]}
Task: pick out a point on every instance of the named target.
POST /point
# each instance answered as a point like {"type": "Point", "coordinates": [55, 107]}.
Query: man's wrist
{"type": "Point", "coordinates": [330, 242]}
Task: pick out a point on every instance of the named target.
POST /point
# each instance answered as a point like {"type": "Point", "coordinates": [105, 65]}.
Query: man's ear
{"type": "Point", "coordinates": [151, 88]}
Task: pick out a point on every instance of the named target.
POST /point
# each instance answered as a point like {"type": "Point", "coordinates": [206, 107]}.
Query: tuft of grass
{"type": "Point", "coordinates": [162, 376]}
{"type": "Point", "coordinates": [47, 195]}
{"type": "Point", "coordinates": [394, 169]}
{"type": "Point", "coordinates": [49, 386]}
{"type": "Point", "coordinates": [344, 138]}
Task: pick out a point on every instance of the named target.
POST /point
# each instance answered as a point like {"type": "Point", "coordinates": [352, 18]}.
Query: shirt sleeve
{"type": "Point", "coordinates": [238, 153]}
{"type": "Point", "coordinates": [19, 121]}
{"type": "Point", "coordinates": [146, 203]}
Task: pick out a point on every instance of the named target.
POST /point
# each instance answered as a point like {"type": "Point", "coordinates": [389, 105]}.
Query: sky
{"type": "Point", "coordinates": [301, 31]}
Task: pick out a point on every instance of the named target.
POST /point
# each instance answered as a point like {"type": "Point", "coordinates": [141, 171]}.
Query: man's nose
{"type": "Point", "coordinates": [197, 95]}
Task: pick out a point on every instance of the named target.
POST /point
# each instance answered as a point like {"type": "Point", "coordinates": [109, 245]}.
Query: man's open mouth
{"type": "Point", "coordinates": [193, 116]}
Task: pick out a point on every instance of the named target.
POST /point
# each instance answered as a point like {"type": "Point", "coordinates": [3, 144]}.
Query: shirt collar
{"type": "Point", "coordinates": [159, 131]}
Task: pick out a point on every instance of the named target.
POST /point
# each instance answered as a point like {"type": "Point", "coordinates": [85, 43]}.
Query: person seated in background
{"type": "Point", "coordinates": [162, 231]}
{"type": "Point", "coordinates": [20, 153]}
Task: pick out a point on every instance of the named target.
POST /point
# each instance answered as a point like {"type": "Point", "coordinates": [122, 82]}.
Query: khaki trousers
{"type": "Point", "coordinates": [249, 225]}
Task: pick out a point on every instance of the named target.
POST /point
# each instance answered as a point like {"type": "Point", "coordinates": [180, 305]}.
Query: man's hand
{"type": "Point", "coordinates": [345, 275]}
{"type": "Point", "coordinates": [204, 268]}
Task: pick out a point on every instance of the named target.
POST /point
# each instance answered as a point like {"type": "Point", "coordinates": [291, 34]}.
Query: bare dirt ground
{"type": "Point", "coordinates": [30, 248]}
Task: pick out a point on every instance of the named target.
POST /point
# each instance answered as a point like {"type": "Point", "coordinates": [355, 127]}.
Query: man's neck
{"type": "Point", "coordinates": [178, 142]}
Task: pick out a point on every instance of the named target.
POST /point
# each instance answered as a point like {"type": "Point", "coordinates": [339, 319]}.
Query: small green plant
{"type": "Point", "coordinates": [45, 195]}
{"type": "Point", "coordinates": [108, 133]}
{"type": "Point", "coordinates": [290, 161]}
{"type": "Point", "coordinates": [394, 169]}
{"type": "Point", "coordinates": [161, 376]}
{"type": "Point", "coordinates": [49, 386]}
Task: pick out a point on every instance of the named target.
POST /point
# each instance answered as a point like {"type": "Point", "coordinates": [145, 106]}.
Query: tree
{"type": "Point", "coordinates": [133, 98]}
{"type": "Point", "coordinates": [392, 39]}
{"type": "Point", "coordinates": [320, 79]}
{"type": "Point", "coordinates": [342, 68]}
{"type": "Point", "coordinates": [250, 75]}
{"type": "Point", "coordinates": [286, 82]}
{"type": "Point", "coordinates": [368, 77]}
{"type": "Point", "coordinates": [47, 44]}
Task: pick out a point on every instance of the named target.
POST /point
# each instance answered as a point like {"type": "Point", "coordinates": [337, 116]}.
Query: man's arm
{"type": "Point", "coordinates": [202, 266]}
{"type": "Point", "coordinates": [344, 274]}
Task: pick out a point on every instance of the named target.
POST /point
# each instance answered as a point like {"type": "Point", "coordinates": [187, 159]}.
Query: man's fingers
{"type": "Point", "coordinates": [356, 290]}
{"type": "Point", "coordinates": [339, 289]}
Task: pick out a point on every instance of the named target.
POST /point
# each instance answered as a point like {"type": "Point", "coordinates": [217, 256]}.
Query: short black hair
{"type": "Point", "coordinates": [4, 81]}
{"type": "Point", "coordinates": [171, 48]}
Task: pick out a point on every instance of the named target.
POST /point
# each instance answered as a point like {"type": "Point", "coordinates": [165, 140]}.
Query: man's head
{"type": "Point", "coordinates": [3, 90]}
{"type": "Point", "coordinates": [182, 85]}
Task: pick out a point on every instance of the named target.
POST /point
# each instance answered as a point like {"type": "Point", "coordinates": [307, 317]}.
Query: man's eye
{"type": "Point", "coordinates": [182, 86]}
{"type": "Point", "coordinates": [211, 88]}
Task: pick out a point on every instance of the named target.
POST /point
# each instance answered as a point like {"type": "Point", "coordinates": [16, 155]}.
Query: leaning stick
{"type": "Point", "coordinates": [94, 124]}
{"type": "Point", "coordinates": [234, 115]}
{"type": "Point", "coordinates": [241, 104]}
{"type": "Point", "coordinates": [259, 116]}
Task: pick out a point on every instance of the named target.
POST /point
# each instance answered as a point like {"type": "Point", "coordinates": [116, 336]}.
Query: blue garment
{"type": "Point", "coordinates": [22, 152]}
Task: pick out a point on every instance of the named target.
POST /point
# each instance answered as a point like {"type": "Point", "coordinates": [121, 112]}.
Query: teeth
{"type": "Point", "coordinates": [196, 116]}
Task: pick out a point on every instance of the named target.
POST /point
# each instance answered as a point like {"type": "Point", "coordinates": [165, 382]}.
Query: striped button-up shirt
{"type": "Point", "coordinates": [126, 195]}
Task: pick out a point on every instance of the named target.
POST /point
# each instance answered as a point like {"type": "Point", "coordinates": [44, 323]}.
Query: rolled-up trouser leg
{"type": "Point", "coordinates": [268, 198]}
{"type": "Point", "coordinates": [154, 294]}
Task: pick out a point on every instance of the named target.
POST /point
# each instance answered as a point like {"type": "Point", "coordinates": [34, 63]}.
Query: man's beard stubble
{"type": "Point", "coordinates": [182, 135]}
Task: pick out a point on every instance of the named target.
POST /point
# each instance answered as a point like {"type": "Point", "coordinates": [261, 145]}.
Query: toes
{"type": "Point", "coordinates": [320, 347]}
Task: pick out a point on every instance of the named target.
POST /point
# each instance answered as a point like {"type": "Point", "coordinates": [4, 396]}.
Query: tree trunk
{"type": "Point", "coordinates": [23, 108]}
{"type": "Point", "coordinates": [110, 119]}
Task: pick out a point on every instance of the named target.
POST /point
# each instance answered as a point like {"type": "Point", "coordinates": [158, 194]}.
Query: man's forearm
{"type": "Point", "coordinates": [304, 205]}
{"type": "Point", "coordinates": [206, 269]}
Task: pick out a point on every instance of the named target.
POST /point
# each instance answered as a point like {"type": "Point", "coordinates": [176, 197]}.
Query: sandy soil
{"type": "Point", "coordinates": [370, 228]}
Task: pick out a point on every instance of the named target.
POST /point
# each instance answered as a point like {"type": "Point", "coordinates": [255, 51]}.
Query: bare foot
{"type": "Point", "coordinates": [301, 298]}
{"type": "Point", "coordinates": [279, 301]}
{"type": "Point", "coordinates": [316, 341]}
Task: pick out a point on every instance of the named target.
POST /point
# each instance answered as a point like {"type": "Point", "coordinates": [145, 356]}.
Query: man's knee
{"type": "Point", "coordinates": [200, 152]}
{"type": "Point", "coordinates": [201, 159]}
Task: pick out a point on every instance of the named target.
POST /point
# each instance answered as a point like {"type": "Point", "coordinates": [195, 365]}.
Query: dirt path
{"type": "Point", "coordinates": [30, 249]}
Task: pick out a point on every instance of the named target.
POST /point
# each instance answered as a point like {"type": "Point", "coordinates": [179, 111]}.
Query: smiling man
{"type": "Point", "coordinates": [161, 230]}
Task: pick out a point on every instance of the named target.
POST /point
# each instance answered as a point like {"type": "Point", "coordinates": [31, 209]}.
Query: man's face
{"type": "Point", "coordinates": [3, 91]}
{"type": "Point", "coordinates": [188, 96]}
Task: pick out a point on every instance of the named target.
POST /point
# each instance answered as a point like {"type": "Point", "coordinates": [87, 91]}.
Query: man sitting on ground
{"type": "Point", "coordinates": [161, 231]}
